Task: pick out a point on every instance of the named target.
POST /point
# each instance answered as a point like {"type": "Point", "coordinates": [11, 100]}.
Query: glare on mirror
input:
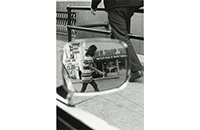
{"type": "Point", "coordinates": [95, 65]}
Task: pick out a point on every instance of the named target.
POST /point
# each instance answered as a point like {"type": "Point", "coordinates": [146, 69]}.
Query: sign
{"type": "Point", "coordinates": [113, 56]}
{"type": "Point", "coordinates": [110, 54]}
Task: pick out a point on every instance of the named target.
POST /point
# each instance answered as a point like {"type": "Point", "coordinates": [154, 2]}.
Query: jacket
{"type": "Point", "coordinates": [109, 4]}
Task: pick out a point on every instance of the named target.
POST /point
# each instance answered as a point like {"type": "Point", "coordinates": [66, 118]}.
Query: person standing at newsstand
{"type": "Point", "coordinates": [119, 17]}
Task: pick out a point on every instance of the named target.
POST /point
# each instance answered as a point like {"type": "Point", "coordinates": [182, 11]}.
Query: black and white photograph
{"type": "Point", "coordinates": [100, 64]}
{"type": "Point", "coordinates": [79, 65]}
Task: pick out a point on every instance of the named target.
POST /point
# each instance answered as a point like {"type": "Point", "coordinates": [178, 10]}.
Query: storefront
{"type": "Point", "coordinates": [109, 59]}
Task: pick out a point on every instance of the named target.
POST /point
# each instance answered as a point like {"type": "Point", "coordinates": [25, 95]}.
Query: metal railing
{"type": "Point", "coordinates": [69, 24]}
{"type": "Point", "coordinates": [62, 20]}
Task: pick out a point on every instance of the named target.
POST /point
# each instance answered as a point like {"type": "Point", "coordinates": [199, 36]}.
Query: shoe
{"type": "Point", "coordinates": [135, 75]}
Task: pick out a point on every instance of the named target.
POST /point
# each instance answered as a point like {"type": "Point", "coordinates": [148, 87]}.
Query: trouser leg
{"type": "Point", "coordinates": [128, 25]}
{"type": "Point", "coordinates": [134, 62]}
{"type": "Point", "coordinates": [84, 86]}
{"type": "Point", "coordinates": [94, 85]}
{"type": "Point", "coordinates": [118, 21]}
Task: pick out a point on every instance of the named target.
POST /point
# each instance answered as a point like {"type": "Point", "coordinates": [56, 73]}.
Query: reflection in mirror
{"type": "Point", "coordinates": [95, 64]}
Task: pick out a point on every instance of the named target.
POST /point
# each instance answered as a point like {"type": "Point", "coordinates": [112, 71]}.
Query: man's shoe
{"type": "Point", "coordinates": [135, 75]}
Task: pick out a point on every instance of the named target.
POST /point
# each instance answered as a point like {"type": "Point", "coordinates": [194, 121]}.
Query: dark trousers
{"type": "Point", "coordinates": [93, 83]}
{"type": "Point", "coordinates": [119, 20]}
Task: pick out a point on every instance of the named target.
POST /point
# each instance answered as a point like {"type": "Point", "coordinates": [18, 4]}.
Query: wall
{"type": "Point", "coordinates": [85, 18]}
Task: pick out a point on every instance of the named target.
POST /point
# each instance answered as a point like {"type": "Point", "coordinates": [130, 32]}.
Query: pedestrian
{"type": "Point", "coordinates": [87, 69]}
{"type": "Point", "coordinates": [119, 17]}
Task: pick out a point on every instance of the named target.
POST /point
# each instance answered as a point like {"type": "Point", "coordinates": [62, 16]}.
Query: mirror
{"type": "Point", "coordinates": [95, 65]}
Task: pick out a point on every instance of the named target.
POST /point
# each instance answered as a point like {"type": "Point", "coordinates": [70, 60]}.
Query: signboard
{"type": "Point", "coordinates": [110, 54]}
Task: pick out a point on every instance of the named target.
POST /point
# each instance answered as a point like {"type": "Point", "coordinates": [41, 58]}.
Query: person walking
{"type": "Point", "coordinates": [87, 69]}
{"type": "Point", "coordinates": [119, 17]}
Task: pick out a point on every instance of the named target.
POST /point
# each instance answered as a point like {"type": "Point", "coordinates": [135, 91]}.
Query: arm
{"type": "Point", "coordinates": [89, 61]}
{"type": "Point", "coordinates": [94, 6]}
{"type": "Point", "coordinates": [100, 72]}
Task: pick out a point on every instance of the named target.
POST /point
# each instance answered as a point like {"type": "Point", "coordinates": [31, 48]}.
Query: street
{"type": "Point", "coordinates": [102, 84]}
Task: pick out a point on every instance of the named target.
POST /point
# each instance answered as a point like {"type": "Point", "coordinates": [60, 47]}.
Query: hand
{"type": "Point", "coordinates": [103, 73]}
{"type": "Point", "coordinates": [93, 11]}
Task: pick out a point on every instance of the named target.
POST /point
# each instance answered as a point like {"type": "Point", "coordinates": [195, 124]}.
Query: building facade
{"type": "Point", "coordinates": [108, 58]}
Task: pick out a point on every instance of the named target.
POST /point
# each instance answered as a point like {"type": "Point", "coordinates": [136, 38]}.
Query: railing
{"type": "Point", "coordinates": [68, 23]}
{"type": "Point", "coordinates": [62, 20]}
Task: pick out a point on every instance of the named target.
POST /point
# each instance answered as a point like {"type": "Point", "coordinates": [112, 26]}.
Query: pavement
{"type": "Point", "coordinates": [124, 109]}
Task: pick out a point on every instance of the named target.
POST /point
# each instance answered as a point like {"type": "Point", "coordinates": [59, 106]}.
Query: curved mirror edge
{"type": "Point", "coordinates": [118, 87]}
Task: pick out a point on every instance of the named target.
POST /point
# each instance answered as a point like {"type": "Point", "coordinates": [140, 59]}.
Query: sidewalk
{"type": "Point", "coordinates": [124, 109]}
